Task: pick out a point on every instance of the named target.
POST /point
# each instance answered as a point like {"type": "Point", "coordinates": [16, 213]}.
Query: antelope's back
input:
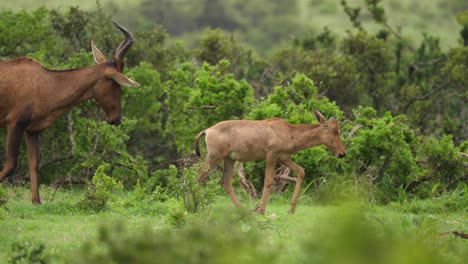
{"type": "Point", "coordinates": [16, 80]}
{"type": "Point", "coordinates": [244, 139]}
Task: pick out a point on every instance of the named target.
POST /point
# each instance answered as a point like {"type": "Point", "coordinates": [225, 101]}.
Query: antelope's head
{"type": "Point", "coordinates": [331, 134]}
{"type": "Point", "coordinates": [107, 90]}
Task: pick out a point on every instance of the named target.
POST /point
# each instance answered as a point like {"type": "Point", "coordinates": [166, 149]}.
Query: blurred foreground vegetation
{"type": "Point", "coordinates": [136, 230]}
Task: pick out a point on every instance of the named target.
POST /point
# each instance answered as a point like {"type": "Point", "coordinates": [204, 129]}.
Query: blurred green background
{"type": "Point", "coordinates": [265, 24]}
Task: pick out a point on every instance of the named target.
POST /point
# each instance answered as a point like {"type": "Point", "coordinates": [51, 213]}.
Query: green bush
{"type": "Point", "coordinates": [27, 252]}
{"type": "Point", "coordinates": [99, 191]}
{"type": "Point", "coordinates": [198, 101]}
{"type": "Point", "coordinates": [382, 154]}
{"type": "Point", "coordinates": [185, 187]}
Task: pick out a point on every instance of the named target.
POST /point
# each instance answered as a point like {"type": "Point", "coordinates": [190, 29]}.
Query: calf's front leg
{"type": "Point", "coordinates": [268, 182]}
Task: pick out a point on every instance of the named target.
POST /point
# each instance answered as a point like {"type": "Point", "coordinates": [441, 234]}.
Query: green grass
{"type": "Point", "coordinates": [312, 232]}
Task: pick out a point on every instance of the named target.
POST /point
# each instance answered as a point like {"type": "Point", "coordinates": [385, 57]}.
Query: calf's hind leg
{"type": "Point", "coordinates": [226, 181]}
{"type": "Point", "coordinates": [300, 176]}
{"type": "Point", "coordinates": [208, 166]}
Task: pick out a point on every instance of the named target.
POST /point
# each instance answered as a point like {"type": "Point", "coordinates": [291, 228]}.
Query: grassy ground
{"type": "Point", "coordinates": [64, 230]}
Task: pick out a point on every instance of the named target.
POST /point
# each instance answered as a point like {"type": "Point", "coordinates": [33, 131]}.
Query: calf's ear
{"type": "Point", "coordinates": [322, 120]}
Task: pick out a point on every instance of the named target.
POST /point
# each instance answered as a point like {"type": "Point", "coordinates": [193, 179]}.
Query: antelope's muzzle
{"type": "Point", "coordinates": [115, 122]}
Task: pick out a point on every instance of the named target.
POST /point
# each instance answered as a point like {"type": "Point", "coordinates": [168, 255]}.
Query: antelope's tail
{"type": "Point", "coordinates": [196, 144]}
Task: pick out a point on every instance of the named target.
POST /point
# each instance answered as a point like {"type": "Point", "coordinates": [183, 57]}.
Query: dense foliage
{"type": "Point", "coordinates": [403, 107]}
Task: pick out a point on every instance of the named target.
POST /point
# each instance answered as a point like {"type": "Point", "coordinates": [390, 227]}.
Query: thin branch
{"type": "Point", "coordinates": [54, 160]}
{"type": "Point", "coordinates": [422, 97]}
{"type": "Point", "coordinates": [456, 233]}
{"type": "Point", "coordinates": [95, 143]}
{"type": "Point", "coordinates": [415, 183]}
{"type": "Point", "coordinates": [286, 178]}
{"type": "Point", "coordinates": [354, 130]}
{"type": "Point", "coordinates": [282, 178]}
{"type": "Point", "coordinates": [205, 107]}
{"type": "Point", "coordinates": [398, 36]}
{"type": "Point", "coordinates": [71, 134]}
{"type": "Point", "coordinates": [246, 184]}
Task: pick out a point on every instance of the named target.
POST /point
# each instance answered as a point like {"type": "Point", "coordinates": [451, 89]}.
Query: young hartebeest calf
{"type": "Point", "coordinates": [273, 140]}
{"type": "Point", "coordinates": [32, 97]}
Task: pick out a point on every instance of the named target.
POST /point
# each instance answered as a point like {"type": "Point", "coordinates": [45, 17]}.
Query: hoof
{"type": "Point", "coordinates": [258, 209]}
{"type": "Point", "coordinates": [273, 216]}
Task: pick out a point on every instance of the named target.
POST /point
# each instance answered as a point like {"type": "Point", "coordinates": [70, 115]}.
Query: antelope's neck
{"type": "Point", "coordinates": [71, 88]}
{"type": "Point", "coordinates": [305, 136]}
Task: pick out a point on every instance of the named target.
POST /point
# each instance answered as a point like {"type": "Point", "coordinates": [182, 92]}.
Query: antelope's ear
{"type": "Point", "coordinates": [98, 57]}
{"type": "Point", "coordinates": [122, 79]}
{"type": "Point", "coordinates": [322, 120]}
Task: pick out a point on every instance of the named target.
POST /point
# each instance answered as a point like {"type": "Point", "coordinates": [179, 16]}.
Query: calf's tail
{"type": "Point", "coordinates": [196, 145]}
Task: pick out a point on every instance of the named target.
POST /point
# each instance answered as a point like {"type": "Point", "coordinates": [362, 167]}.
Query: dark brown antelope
{"type": "Point", "coordinates": [32, 97]}
{"type": "Point", "coordinates": [273, 140]}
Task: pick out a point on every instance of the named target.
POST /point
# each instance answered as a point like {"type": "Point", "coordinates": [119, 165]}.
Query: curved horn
{"type": "Point", "coordinates": [125, 45]}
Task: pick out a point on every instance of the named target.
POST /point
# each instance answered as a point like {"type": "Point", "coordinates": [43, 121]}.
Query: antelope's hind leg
{"type": "Point", "coordinates": [226, 181]}
{"type": "Point", "coordinates": [208, 166]}
{"type": "Point", "coordinates": [300, 176]}
{"type": "Point", "coordinates": [32, 143]}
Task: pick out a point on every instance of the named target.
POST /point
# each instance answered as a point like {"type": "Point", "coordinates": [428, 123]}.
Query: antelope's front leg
{"type": "Point", "coordinates": [268, 182]}
{"type": "Point", "coordinates": [300, 176]}
{"type": "Point", "coordinates": [14, 134]}
{"type": "Point", "coordinates": [32, 142]}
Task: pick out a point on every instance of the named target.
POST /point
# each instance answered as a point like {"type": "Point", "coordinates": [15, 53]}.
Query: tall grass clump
{"type": "Point", "coordinates": [218, 240]}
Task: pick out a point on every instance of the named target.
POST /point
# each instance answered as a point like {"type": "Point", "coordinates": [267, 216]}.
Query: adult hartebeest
{"type": "Point", "coordinates": [273, 140]}
{"type": "Point", "coordinates": [32, 97]}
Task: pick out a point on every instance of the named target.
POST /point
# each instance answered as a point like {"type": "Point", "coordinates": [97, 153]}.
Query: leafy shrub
{"type": "Point", "coordinates": [382, 154]}
{"type": "Point", "coordinates": [98, 192]}
{"type": "Point", "coordinates": [196, 102]}
{"type": "Point", "coordinates": [217, 45]}
{"type": "Point", "coordinates": [27, 252]}
{"type": "Point", "coordinates": [185, 187]}
{"type": "Point", "coordinates": [444, 165]}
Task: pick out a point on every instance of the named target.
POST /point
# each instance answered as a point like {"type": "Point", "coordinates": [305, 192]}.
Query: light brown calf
{"type": "Point", "coordinates": [273, 140]}
{"type": "Point", "coordinates": [32, 97]}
